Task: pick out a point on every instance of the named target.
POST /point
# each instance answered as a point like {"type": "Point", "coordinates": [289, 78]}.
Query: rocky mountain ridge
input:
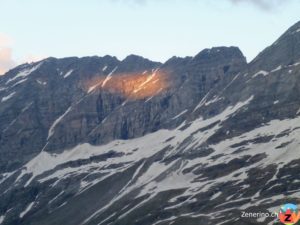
{"type": "Point", "coordinates": [56, 91]}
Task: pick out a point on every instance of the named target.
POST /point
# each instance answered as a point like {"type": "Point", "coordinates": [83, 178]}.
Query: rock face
{"type": "Point", "coordinates": [196, 140]}
{"type": "Point", "coordinates": [53, 108]}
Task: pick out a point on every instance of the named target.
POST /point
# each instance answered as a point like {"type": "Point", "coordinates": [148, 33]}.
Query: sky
{"type": "Point", "coordinates": [156, 29]}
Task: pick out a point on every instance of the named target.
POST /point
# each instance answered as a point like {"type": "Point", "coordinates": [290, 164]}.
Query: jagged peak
{"type": "Point", "coordinates": [222, 51]}
{"type": "Point", "coordinates": [284, 51]}
{"type": "Point", "coordinates": [136, 59]}
{"type": "Point", "coordinates": [175, 59]}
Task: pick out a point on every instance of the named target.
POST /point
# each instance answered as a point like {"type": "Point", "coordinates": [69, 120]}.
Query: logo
{"type": "Point", "coordinates": [289, 214]}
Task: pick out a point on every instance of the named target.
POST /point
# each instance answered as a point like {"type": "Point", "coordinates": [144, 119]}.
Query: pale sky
{"type": "Point", "coordinates": [156, 29]}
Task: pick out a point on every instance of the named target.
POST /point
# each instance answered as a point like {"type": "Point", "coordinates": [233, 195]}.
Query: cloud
{"type": "Point", "coordinates": [6, 60]}
{"type": "Point", "coordinates": [5, 40]}
{"type": "Point", "coordinates": [263, 4]}
{"type": "Point", "coordinates": [32, 58]}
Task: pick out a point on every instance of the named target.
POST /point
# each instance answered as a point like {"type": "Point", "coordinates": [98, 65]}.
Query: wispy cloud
{"type": "Point", "coordinates": [263, 4]}
{"type": "Point", "coordinates": [32, 58]}
{"type": "Point", "coordinates": [6, 60]}
{"type": "Point", "coordinates": [5, 40]}
{"type": "Point", "coordinates": [6, 55]}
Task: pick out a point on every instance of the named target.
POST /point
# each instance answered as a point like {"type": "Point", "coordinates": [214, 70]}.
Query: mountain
{"type": "Point", "coordinates": [196, 140]}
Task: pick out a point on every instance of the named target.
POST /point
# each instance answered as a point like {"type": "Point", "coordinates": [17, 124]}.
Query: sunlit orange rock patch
{"type": "Point", "coordinates": [132, 86]}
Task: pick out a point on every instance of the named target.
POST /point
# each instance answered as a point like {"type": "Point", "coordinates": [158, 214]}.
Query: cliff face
{"type": "Point", "coordinates": [134, 142]}
{"type": "Point", "coordinates": [57, 103]}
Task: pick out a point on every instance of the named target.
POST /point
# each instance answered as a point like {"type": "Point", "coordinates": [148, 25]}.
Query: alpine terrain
{"type": "Point", "coordinates": [194, 141]}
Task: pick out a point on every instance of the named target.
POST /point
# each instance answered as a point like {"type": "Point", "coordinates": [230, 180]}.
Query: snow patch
{"type": "Point", "coordinates": [46, 161]}
{"type": "Point", "coordinates": [216, 99]}
{"type": "Point", "coordinates": [28, 208]}
{"type": "Point", "coordinates": [149, 78]}
{"type": "Point", "coordinates": [277, 69]}
{"type": "Point", "coordinates": [132, 151]}
{"type": "Point", "coordinates": [296, 64]}
{"type": "Point", "coordinates": [180, 114]}
{"type": "Point", "coordinates": [68, 73]}
{"type": "Point", "coordinates": [104, 68]}
{"type": "Point", "coordinates": [109, 76]}
{"type": "Point", "coordinates": [41, 82]}
{"type": "Point", "coordinates": [56, 197]}
{"type": "Point", "coordinates": [148, 99]}
{"type": "Point", "coordinates": [262, 72]}
{"type": "Point", "coordinates": [272, 128]}
{"type": "Point", "coordinates": [2, 88]}
{"type": "Point", "coordinates": [92, 88]}
{"type": "Point", "coordinates": [8, 97]}
{"type": "Point", "coordinates": [25, 72]}
{"type": "Point", "coordinates": [2, 219]}
{"type": "Point", "coordinates": [124, 103]}
{"type": "Point", "coordinates": [19, 82]}
{"type": "Point", "coordinates": [51, 130]}
{"type": "Point", "coordinates": [201, 103]}
{"type": "Point", "coordinates": [216, 195]}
